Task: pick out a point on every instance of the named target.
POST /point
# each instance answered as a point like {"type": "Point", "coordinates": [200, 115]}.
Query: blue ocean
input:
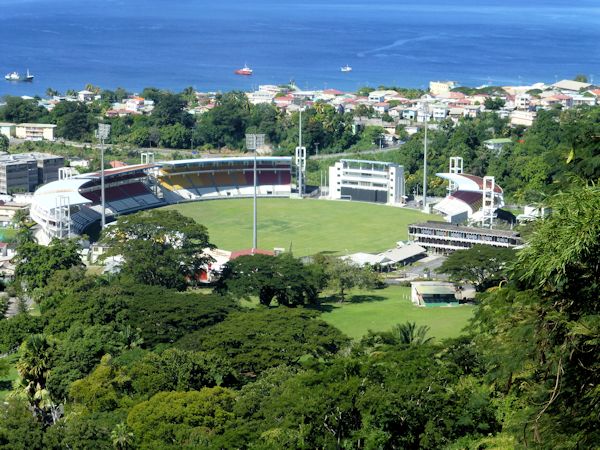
{"type": "Point", "coordinates": [174, 44]}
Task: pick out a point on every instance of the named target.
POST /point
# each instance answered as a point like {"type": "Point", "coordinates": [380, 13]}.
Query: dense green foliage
{"type": "Point", "coordinates": [158, 247]}
{"type": "Point", "coordinates": [283, 278]}
{"type": "Point", "coordinates": [126, 362]}
{"type": "Point", "coordinates": [482, 265]}
{"type": "Point", "coordinates": [540, 334]}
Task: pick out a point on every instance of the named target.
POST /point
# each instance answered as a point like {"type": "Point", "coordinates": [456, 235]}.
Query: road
{"type": "Point", "coordinates": [354, 153]}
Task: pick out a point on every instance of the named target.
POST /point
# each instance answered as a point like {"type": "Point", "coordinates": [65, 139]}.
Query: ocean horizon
{"type": "Point", "coordinates": [134, 44]}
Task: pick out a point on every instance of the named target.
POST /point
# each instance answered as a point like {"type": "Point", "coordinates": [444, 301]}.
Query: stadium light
{"type": "Point", "coordinates": [102, 133]}
{"type": "Point", "coordinates": [253, 142]}
{"type": "Point", "coordinates": [426, 111]}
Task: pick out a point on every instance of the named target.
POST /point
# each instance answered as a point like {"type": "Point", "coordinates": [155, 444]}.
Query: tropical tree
{"type": "Point", "coordinates": [482, 265]}
{"type": "Point", "coordinates": [159, 247]}
{"type": "Point", "coordinates": [409, 334]}
{"type": "Point", "coordinates": [342, 275]}
{"type": "Point", "coordinates": [37, 353]}
{"type": "Point", "coordinates": [283, 278]}
{"type": "Point", "coordinates": [35, 264]}
{"type": "Point", "coordinates": [121, 437]}
{"type": "Point", "coordinates": [4, 143]}
{"type": "Point", "coordinates": [540, 333]}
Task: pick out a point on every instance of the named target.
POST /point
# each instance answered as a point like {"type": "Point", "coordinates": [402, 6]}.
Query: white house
{"type": "Point", "coordinates": [522, 101]}
{"type": "Point", "coordinates": [7, 129]}
{"type": "Point", "coordinates": [85, 96]}
{"type": "Point", "coordinates": [381, 96]}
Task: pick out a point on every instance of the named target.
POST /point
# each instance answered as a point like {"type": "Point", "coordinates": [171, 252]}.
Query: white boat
{"type": "Point", "coordinates": [13, 76]}
{"type": "Point", "coordinates": [16, 76]}
{"type": "Point", "coordinates": [346, 68]}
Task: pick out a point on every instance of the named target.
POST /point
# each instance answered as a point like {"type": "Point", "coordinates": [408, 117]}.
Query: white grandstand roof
{"type": "Point", "coordinates": [451, 206]}
{"type": "Point", "coordinates": [47, 195]}
{"type": "Point", "coordinates": [466, 182]}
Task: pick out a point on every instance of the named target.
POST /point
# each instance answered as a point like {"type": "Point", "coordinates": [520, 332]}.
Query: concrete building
{"type": "Point", "coordinates": [369, 181]}
{"type": "Point", "coordinates": [433, 293]}
{"type": "Point", "coordinates": [571, 85]}
{"type": "Point", "coordinates": [524, 118]}
{"type": "Point", "coordinates": [7, 129]}
{"type": "Point", "coordinates": [441, 87]}
{"type": "Point", "coordinates": [497, 144]}
{"type": "Point", "coordinates": [444, 238]}
{"type": "Point", "coordinates": [35, 131]}
{"type": "Point", "coordinates": [25, 171]}
{"type": "Point", "coordinates": [522, 101]}
{"type": "Point", "coordinates": [8, 211]}
{"type": "Point", "coordinates": [18, 173]}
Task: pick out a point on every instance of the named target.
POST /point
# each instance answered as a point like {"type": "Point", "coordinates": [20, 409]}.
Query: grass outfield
{"type": "Point", "coordinates": [308, 226]}
{"type": "Point", "coordinates": [380, 310]}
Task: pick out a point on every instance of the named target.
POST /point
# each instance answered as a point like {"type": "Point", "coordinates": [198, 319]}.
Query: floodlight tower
{"type": "Point", "coordinates": [253, 142]}
{"type": "Point", "coordinates": [300, 155]}
{"type": "Point", "coordinates": [488, 209]}
{"type": "Point", "coordinates": [426, 111]}
{"type": "Point", "coordinates": [102, 134]}
{"type": "Point", "coordinates": [456, 166]}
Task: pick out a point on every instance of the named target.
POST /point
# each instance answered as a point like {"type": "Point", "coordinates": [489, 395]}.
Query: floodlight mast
{"type": "Point", "coordinates": [102, 133]}
{"type": "Point", "coordinates": [426, 111]}
{"type": "Point", "coordinates": [253, 142]}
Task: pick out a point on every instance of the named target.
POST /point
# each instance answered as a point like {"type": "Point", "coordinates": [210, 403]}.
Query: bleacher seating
{"type": "Point", "coordinates": [225, 184]}
{"type": "Point", "coordinates": [81, 219]}
{"type": "Point", "coordinates": [124, 197]}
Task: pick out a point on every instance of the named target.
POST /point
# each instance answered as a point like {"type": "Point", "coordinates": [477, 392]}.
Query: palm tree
{"type": "Point", "coordinates": [34, 364]}
{"type": "Point", "coordinates": [121, 437]}
{"type": "Point", "coordinates": [409, 334]}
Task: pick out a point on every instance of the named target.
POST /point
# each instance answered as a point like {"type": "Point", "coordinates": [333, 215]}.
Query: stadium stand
{"type": "Point", "coordinates": [211, 178]}
{"type": "Point", "coordinates": [465, 202]}
{"type": "Point", "coordinates": [69, 206]}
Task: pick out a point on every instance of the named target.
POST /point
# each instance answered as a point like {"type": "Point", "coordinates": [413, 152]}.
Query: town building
{"type": "Point", "coordinates": [7, 129]}
{"type": "Point", "coordinates": [496, 145]}
{"type": "Point", "coordinates": [441, 87]}
{"type": "Point", "coordinates": [368, 181]}
{"type": "Point", "coordinates": [25, 171]}
{"type": "Point", "coordinates": [35, 131]}
{"type": "Point", "coordinates": [571, 85]}
{"type": "Point", "coordinates": [445, 238]}
{"type": "Point", "coordinates": [433, 293]}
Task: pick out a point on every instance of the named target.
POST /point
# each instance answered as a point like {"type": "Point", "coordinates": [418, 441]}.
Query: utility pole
{"type": "Point", "coordinates": [102, 133]}
{"type": "Point", "coordinates": [253, 142]}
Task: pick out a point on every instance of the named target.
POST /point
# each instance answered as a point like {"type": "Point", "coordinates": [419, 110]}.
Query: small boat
{"type": "Point", "coordinates": [346, 68]}
{"type": "Point", "coordinates": [16, 76]}
{"type": "Point", "coordinates": [244, 70]}
{"type": "Point", "coordinates": [13, 76]}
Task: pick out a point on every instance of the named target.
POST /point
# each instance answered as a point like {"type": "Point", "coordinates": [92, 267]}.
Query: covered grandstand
{"type": "Point", "coordinates": [214, 178]}
{"type": "Point", "coordinates": [465, 201]}
{"type": "Point", "coordinates": [70, 206]}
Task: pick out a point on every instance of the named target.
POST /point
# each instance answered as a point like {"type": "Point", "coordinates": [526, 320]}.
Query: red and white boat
{"type": "Point", "coordinates": [244, 70]}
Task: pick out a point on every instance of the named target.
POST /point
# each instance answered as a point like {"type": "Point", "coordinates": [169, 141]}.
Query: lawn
{"type": "Point", "coordinates": [306, 226]}
{"type": "Point", "coordinates": [7, 381]}
{"type": "Point", "coordinates": [380, 310]}
{"type": "Point", "coordinates": [7, 234]}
